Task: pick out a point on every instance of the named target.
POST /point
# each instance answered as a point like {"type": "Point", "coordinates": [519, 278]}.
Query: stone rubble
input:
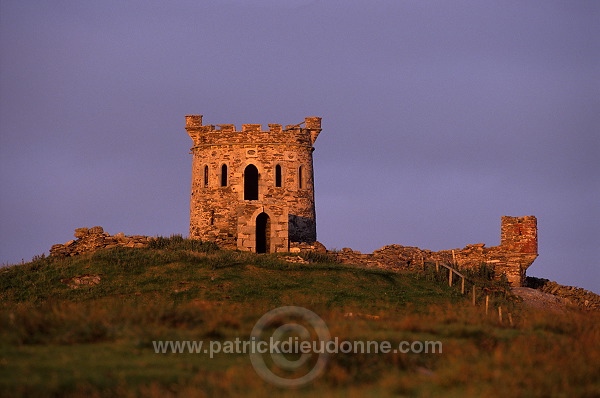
{"type": "Point", "coordinates": [295, 259]}
{"type": "Point", "coordinates": [576, 295]}
{"type": "Point", "coordinates": [82, 280]}
{"type": "Point", "coordinates": [316, 247]}
{"type": "Point", "coordinates": [92, 239]}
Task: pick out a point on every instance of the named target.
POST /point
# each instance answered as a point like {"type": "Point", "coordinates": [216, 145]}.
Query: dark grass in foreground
{"type": "Point", "coordinates": [97, 340]}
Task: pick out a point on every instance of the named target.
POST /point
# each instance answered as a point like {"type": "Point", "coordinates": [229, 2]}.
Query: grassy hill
{"type": "Point", "coordinates": [85, 326]}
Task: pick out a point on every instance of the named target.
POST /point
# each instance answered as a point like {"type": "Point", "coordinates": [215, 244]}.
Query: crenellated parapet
{"type": "Point", "coordinates": [276, 134]}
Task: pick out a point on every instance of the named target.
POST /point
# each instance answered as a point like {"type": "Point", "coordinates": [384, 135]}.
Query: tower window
{"type": "Point", "coordinates": [278, 176]}
{"type": "Point", "coordinates": [205, 176]}
{"type": "Point", "coordinates": [251, 182]}
{"type": "Point", "coordinates": [300, 178]}
{"type": "Point", "coordinates": [224, 175]}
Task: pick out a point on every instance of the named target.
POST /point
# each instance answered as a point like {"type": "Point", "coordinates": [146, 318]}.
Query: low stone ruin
{"type": "Point", "coordinates": [516, 252]}
{"type": "Point", "coordinates": [92, 239]}
{"type": "Point", "coordinates": [298, 247]}
{"type": "Point", "coordinates": [576, 295]}
{"type": "Point", "coordinates": [499, 259]}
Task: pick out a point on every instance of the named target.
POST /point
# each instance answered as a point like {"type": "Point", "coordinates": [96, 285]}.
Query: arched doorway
{"type": "Point", "coordinates": [251, 182]}
{"type": "Point", "coordinates": [263, 233]}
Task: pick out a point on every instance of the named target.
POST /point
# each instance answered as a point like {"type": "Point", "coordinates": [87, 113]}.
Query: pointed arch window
{"type": "Point", "coordinates": [278, 176]}
{"type": "Point", "coordinates": [224, 175]}
{"type": "Point", "coordinates": [205, 176]}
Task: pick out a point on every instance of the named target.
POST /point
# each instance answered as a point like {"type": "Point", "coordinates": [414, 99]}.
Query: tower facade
{"type": "Point", "coordinates": [253, 190]}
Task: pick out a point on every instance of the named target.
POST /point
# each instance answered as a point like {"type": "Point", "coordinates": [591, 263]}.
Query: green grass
{"type": "Point", "coordinates": [219, 275]}
{"type": "Point", "coordinates": [96, 340]}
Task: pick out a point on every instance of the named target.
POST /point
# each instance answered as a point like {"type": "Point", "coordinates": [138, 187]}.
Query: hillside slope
{"type": "Point", "coordinates": [85, 325]}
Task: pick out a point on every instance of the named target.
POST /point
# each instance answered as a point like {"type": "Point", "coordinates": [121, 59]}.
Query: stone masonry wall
{"type": "Point", "coordinates": [517, 251]}
{"type": "Point", "coordinates": [575, 295]}
{"type": "Point", "coordinates": [219, 211]}
{"type": "Point", "coordinates": [93, 239]}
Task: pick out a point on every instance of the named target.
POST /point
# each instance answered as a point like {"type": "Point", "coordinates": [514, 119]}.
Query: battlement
{"type": "Point", "coordinates": [227, 133]}
{"type": "Point", "coordinates": [193, 122]}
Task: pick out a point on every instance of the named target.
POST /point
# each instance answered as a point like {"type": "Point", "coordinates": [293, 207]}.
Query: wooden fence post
{"type": "Point", "coordinates": [500, 314]}
{"type": "Point", "coordinates": [473, 294]}
{"type": "Point", "coordinates": [462, 286]}
{"type": "Point", "coordinates": [450, 278]}
{"type": "Point", "coordinates": [487, 302]}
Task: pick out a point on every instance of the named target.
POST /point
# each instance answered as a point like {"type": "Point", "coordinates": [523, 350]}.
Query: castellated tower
{"type": "Point", "coordinates": [253, 190]}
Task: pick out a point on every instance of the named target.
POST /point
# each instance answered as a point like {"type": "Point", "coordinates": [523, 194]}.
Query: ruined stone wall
{"type": "Point", "coordinates": [519, 234]}
{"type": "Point", "coordinates": [517, 251]}
{"type": "Point", "coordinates": [93, 239]}
{"type": "Point", "coordinates": [575, 295]}
{"type": "Point", "coordinates": [219, 211]}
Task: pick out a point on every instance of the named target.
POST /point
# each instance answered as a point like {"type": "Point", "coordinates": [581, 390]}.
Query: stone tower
{"type": "Point", "coordinates": [519, 234]}
{"type": "Point", "coordinates": [519, 246]}
{"type": "Point", "coordinates": [253, 190]}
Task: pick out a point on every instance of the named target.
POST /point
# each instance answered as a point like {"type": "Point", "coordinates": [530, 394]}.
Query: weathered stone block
{"type": "Point", "coordinates": [80, 232]}
{"type": "Point", "coordinates": [96, 230]}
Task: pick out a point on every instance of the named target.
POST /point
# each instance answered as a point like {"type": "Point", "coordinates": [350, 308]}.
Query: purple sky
{"type": "Point", "coordinates": [438, 117]}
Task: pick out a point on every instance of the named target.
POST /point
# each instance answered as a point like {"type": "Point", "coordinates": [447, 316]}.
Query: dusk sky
{"type": "Point", "coordinates": [439, 117]}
